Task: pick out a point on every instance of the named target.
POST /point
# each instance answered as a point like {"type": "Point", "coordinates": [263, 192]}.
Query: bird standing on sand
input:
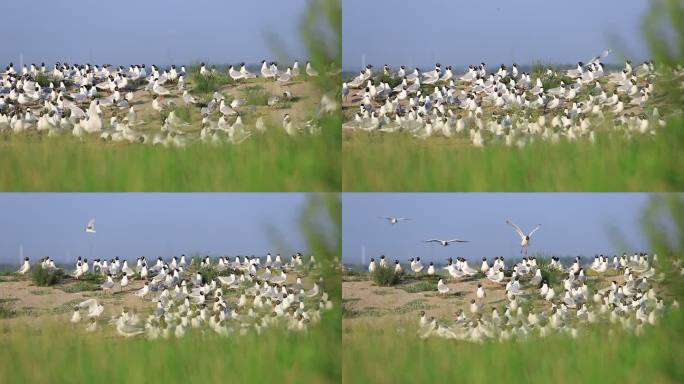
{"type": "Point", "coordinates": [107, 284]}
{"type": "Point", "coordinates": [442, 288]}
{"type": "Point", "coordinates": [371, 266]}
{"type": "Point", "coordinates": [416, 265]}
{"type": "Point", "coordinates": [25, 266]}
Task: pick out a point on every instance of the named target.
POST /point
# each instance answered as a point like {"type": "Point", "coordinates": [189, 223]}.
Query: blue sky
{"type": "Point", "coordinates": [150, 32]}
{"type": "Point", "coordinates": [572, 224]}
{"type": "Point", "coordinates": [150, 224]}
{"type": "Point", "coordinates": [494, 31]}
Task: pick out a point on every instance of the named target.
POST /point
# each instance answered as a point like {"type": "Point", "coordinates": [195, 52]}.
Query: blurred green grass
{"type": "Point", "coordinates": [271, 162]}
{"type": "Point", "coordinates": [67, 355]}
{"type": "Point", "coordinates": [204, 84]}
{"type": "Point", "coordinates": [594, 357]}
{"type": "Point", "coordinates": [402, 163]}
{"type": "Point", "coordinates": [256, 95]}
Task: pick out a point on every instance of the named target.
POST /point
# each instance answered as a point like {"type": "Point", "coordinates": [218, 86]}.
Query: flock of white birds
{"type": "Point", "coordinates": [629, 305]}
{"type": "Point", "coordinates": [76, 96]}
{"type": "Point", "coordinates": [248, 294]}
{"type": "Point", "coordinates": [533, 305]}
{"type": "Point", "coordinates": [506, 105]}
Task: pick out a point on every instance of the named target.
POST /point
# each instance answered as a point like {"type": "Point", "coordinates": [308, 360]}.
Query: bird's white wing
{"type": "Point", "coordinates": [88, 303]}
{"type": "Point", "coordinates": [433, 241]}
{"type": "Point", "coordinates": [91, 226]}
{"type": "Point", "coordinates": [517, 229]}
{"type": "Point", "coordinates": [601, 56]}
{"type": "Point", "coordinates": [458, 241]}
{"type": "Point", "coordinates": [161, 89]}
{"type": "Point", "coordinates": [535, 229]}
{"type": "Point", "coordinates": [403, 218]}
{"type": "Point", "coordinates": [384, 218]}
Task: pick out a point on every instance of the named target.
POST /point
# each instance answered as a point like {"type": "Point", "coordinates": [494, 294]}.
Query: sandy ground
{"type": "Point", "coordinates": [32, 302]}
{"type": "Point", "coordinates": [376, 306]}
{"type": "Point", "coordinates": [362, 295]}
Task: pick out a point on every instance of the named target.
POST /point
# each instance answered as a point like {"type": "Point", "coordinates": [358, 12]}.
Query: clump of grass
{"type": "Point", "coordinates": [385, 277]}
{"type": "Point", "coordinates": [67, 307]}
{"type": "Point", "coordinates": [352, 272]}
{"type": "Point", "coordinates": [207, 83]}
{"type": "Point", "coordinates": [91, 277]}
{"type": "Point", "coordinates": [137, 83]}
{"type": "Point", "coordinates": [5, 311]}
{"type": "Point", "coordinates": [43, 79]}
{"type": "Point", "coordinates": [353, 275]}
{"type": "Point", "coordinates": [39, 292]}
{"type": "Point", "coordinates": [10, 276]}
{"type": "Point", "coordinates": [393, 81]}
{"type": "Point", "coordinates": [208, 273]}
{"type": "Point", "coordinates": [421, 286]}
{"type": "Point", "coordinates": [348, 310]}
{"type": "Point", "coordinates": [183, 112]}
{"type": "Point", "coordinates": [46, 277]}
{"type": "Point", "coordinates": [539, 70]}
{"type": "Point", "coordinates": [256, 95]}
{"type": "Point", "coordinates": [425, 277]}
{"type": "Point", "coordinates": [552, 276]}
{"type": "Point", "coordinates": [350, 313]}
{"type": "Point", "coordinates": [80, 286]}
{"type": "Point", "coordinates": [413, 305]}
